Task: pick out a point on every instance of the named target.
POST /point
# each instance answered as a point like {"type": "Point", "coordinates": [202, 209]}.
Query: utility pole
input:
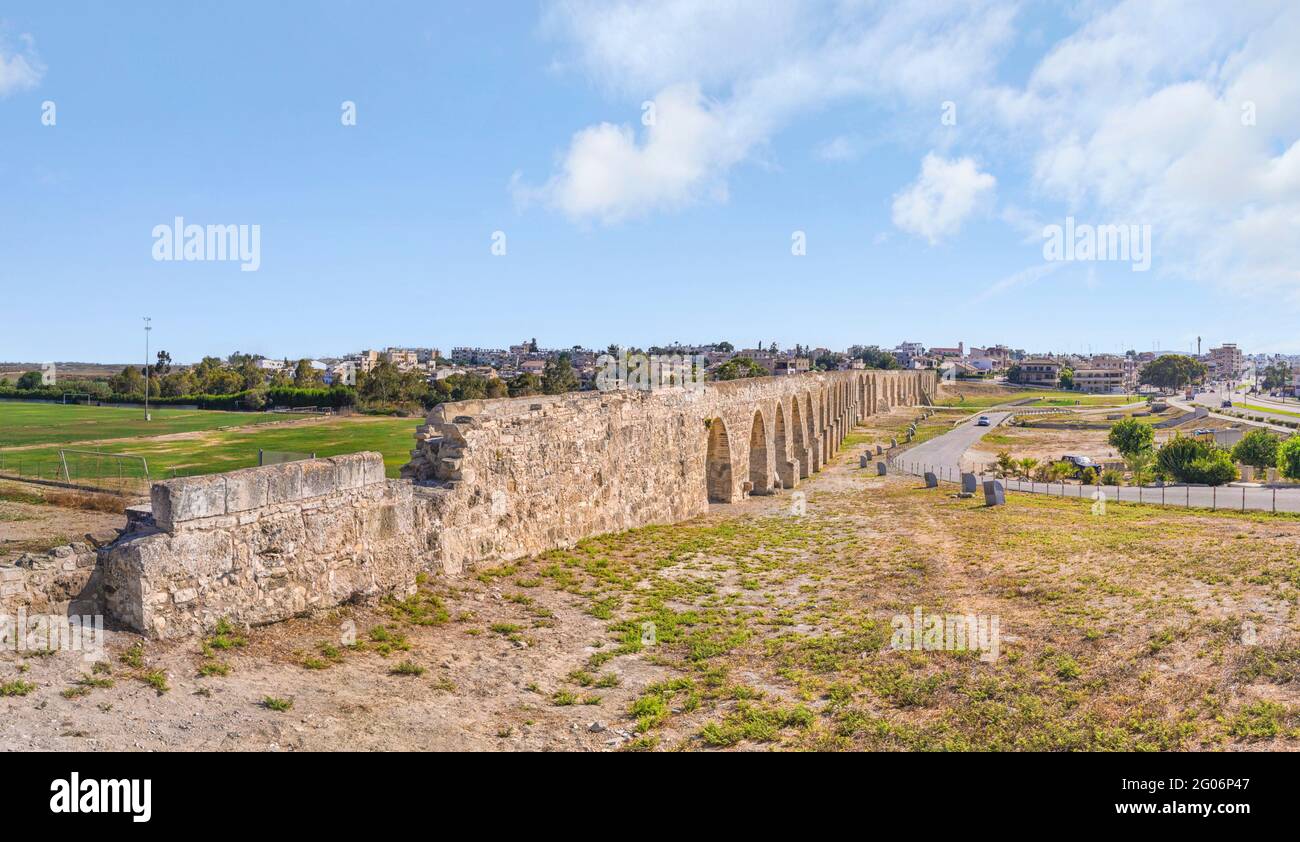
{"type": "Point", "coordinates": [147, 328]}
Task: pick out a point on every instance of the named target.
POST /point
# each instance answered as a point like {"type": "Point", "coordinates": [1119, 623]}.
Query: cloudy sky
{"type": "Point", "coordinates": [651, 170]}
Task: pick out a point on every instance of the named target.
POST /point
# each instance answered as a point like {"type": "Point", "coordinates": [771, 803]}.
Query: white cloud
{"type": "Point", "coordinates": [838, 149]}
{"type": "Point", "coordinates": [753, 67]}
{"type": "Point", "coordinates": [20, 69]}
{"type": "Point", "coordinates": [942, 197]}
{"type": "Point", "coordinates": [609, 174]}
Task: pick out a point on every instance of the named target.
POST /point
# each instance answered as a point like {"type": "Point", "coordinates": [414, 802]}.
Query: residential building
{"type": "Point", "coordinates": [1040, 371]}
{"type": "Point", "coordinates": [1226, 362]}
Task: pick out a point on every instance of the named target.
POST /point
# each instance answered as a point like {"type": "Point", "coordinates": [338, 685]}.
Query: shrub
{"type": "Point", "coordinates": [1089, 477]}
{"type": "Point", "coordinates": [1110, 476]}
{"type": "Point", "coordinates": [1258, 449]}
{"type": "Point", "coordinates": [1192, 460]}
{"type": "Point", "coordinates": [1288, 458]}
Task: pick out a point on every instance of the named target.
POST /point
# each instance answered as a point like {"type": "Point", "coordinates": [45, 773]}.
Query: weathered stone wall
{"type": "Point", "coordinates": [492, 480]}
{"type": "Point", "coordinates": [64, 580]}
{"type": "Point", "coordinates": [520, 476]}
{"type": "Point", "coordinates": [264, 544]}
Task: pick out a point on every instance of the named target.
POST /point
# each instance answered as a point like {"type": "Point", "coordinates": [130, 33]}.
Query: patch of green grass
{"type": "Point", "coordinates": [211, 668]}
{"type": "Point", "coordinates": [276, 704]}
{"type": "Point", "coordinates": [757, 724]}
{"type": "Point", "coordinates": [16, 688]}
{"type": "Point", "coordinates": [407, 668]}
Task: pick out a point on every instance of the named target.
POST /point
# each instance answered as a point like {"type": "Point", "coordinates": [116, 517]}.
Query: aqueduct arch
{"type": "Point", "coordinates": [717, 470]}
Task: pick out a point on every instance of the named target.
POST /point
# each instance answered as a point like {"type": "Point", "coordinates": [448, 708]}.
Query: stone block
{"type": "Point", "coordinates": [864, 460]}
{"type": "Point", "coordinates": [349, 471]}
{"type": "Point", "coordinates": [283, 482]}
{"type": "Point", "coordinates": [317, 478]}
{"type": "Point", "coordinates": [969, 484]}
{"type": "Point", "coordinates": [192, 498]}
{"type": "Point", "coordinates": [881, 469]}
{"type": "Point", "coordinates": [246, 490]}
{"type": "Point", "coordinates": [880, 449]}
{"type": "Point", "coordinates": [931, 481]}
{"type": "Point", "coordinates": [995, 494]}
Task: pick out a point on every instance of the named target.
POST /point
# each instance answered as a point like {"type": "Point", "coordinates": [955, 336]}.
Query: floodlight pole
{"type": "Point", "coordinates": [147, 328]}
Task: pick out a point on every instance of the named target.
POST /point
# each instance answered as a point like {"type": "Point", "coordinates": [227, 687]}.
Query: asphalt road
{"type": "Point", "coordinates": [943, 456]}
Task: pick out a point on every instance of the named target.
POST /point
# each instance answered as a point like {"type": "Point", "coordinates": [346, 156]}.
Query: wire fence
{"type": "Point", "coordinates": [1218, 498]}
{"type": "Point", "coordinates": [112, 473]}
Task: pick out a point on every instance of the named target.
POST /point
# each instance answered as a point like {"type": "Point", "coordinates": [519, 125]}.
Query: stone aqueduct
{"type": "Point", "coordinates": [487, 481]}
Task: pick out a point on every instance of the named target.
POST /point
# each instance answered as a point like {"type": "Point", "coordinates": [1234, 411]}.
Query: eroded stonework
{"type": "Point", "coordinates": [487, 481]}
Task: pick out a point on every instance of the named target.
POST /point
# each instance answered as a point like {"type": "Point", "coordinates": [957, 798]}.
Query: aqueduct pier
{"type": "Point", "coordinates": [488, 481]}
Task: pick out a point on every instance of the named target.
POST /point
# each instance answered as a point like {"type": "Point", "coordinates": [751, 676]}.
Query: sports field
{"type": "Point", "coordinates": [189, 442]}
{"type": "Point", "coordinates": [24, 423]}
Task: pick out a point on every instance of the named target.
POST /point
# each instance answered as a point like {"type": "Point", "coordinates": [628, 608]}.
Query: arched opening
{"type": "Point", "coordinates": [760, 478]}
{"type": "Point", "coordinates": [786, 471]}
{"type": "Point", "coordinates": [717, 464]}
{"type": "Point", "coordinates": [800, 442]}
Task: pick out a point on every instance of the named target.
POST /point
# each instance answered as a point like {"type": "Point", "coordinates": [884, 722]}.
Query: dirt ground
{"type": "Point", "coordinates": [757, 626]}
{"type": "Point", "coordinates": [29, 524]}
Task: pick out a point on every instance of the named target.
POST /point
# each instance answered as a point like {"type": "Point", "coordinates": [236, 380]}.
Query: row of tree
{"type": "Point", "coordinates": [1196, 460]}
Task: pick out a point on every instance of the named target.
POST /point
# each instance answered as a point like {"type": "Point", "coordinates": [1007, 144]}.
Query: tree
{"type": "Point", "coordinates": [164, 363]}
{"type": "Point", "coordinates": [1258, 448]}
{"type": "Point", "coordinates": [524, 384]}
{"type": "Point", "coordinates": [30, 380]}
{"type": "Point", "coordinates": [1006, 465]}
{"type": "Point", "coordinates": [1013, 374]}
{"type": "Point", "coordinates": [738, 368]}
{"type": "Point", "coordinates": [1027, 466]}
{"type": "Point", "coordinates": [1067, 378]}
{"type": "Point", "coordinates": [724, 346]}
{"type": "Point", "coordinates": [128, 382]}
{"type": "Point", "coordinates": [1130, 436]}
{"type": "Point", "coordinates": [873, 357]}
{"type": "Point", "coordinates": [1288, 458]}
{"type": "Point", "coordinates": [1277, 376]}
{"type": "Point", "coordinates": [1192, 460]}
{"type": "Point", "coordinates": [306, 377]}
{"type": "Point", "coordinates": [1172, 371]}
{"type": "Point", "coordinates": [558, 376]}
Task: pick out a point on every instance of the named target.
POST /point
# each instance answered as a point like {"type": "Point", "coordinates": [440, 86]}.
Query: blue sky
{"type": "Point", "coordinates": [822, 117]}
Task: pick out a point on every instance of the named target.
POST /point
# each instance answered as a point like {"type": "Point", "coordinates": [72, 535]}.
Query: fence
{"type": "Point", "coordinates": [1217, 498]}
{"type": "Point", "coordinates": [110, 473]}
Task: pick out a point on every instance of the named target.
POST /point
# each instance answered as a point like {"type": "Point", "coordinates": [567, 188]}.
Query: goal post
{"type": "Point", "coordinates": [118, 470]}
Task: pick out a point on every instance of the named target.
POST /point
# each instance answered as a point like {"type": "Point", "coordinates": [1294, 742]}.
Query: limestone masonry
{"type": "Point", "coordinates": [488, 481]}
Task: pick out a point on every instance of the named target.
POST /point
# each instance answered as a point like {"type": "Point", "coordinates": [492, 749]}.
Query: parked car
{"type": "Point", "coordinates": [1081, 464]}
{"type": "Point", "coordinates": [1225, 403]}
{"type": "Point", "coordinates": [983, 421]}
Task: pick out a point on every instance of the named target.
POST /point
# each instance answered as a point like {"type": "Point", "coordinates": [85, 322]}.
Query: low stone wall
{"type": "Point", "coordinates": [63, 580]}
{"type": "Point", "coordinates": [264, 544]}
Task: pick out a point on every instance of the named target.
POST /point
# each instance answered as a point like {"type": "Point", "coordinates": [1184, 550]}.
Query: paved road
{"type": "Point", "coordinates": [943, 456]}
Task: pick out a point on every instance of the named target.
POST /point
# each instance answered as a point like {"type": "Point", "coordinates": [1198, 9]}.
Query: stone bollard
{"type": "Point", "coordinates": [863, 461]}
{"type": "Point", "coordinates": [994, 493]}
{"type": "Point", "coordinates": [893, 442]}
{"type": "Point", "coordinates": [881, 469]}
{"type": "Point", "coordinates": [931, 481]}
{"type": "Point", "coordinates": [880, 449]}
{"type": "Point", "coordinates": [968, 483]}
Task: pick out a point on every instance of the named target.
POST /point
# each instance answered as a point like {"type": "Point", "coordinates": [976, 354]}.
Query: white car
{"type": "Point", "coordinates": [983, 421]}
